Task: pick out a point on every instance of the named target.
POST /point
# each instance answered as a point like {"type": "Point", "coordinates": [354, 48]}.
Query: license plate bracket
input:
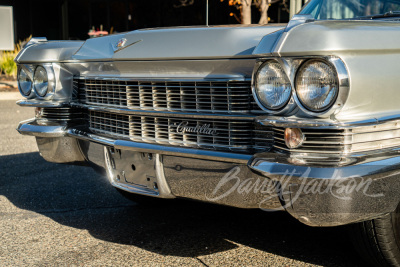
{"type": "Point", "coordinates": [132, 171]}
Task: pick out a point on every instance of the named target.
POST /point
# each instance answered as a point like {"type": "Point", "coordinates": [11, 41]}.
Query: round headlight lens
{"type": "Point", "coordinates": [272, 86]}
{"type": "Point", "coordinates": [40, 81]}
{"type": "Point", "coordinates": [24, 82]}
{"type": "Point", "coordinates": [317, 85]}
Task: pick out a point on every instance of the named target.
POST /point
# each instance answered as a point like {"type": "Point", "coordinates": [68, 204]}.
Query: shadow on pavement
{"type": "Point", "coordinates": [78, 197]}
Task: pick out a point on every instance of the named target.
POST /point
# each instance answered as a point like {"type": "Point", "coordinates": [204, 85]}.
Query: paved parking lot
{"type": "Point", "coordinates": [52, 214]}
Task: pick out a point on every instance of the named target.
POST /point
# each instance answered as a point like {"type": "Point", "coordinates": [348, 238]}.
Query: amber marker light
{"type": "Point", "coordinates": [38, 112]}
{"type": "Point", "coordinates": [294, 137]}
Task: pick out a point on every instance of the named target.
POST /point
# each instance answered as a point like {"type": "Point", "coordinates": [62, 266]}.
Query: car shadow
{"type": "Point", "coordinates": [78, 197]}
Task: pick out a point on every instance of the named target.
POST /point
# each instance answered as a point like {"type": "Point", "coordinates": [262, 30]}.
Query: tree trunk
{"type": "Point", "coordinates": [264, 12]}
{"type": "Point", "coordinates": [246, 12]}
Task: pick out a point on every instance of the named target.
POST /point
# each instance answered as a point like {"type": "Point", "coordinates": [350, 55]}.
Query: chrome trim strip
{"type": "Point", "coordinates": [175, 79]}
{"type": "Point", "coordinates": [323, 124]}
{"type": "Point", "coordinates": [183, 152]}
{"type": "Point", "coordinates": [41, 104]}
{"type": "Point", "coordinates": [271, 166]}
{"type": "Point", "coordinates": [90, 137]}
{"type": "Point", "coordinates": [164, 113]}
{"type": "Point", "coordinates": [51, 104]}
{"type": "Point", "coordinates": [162, 150]}
{"type": "Point", "coordinates": [152, 59]}
{"type": "Point", "coordinates": [111, 60]}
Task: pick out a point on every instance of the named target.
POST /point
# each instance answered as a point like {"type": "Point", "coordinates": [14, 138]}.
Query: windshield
{"type": "Point", "coordinates": [349, 9]}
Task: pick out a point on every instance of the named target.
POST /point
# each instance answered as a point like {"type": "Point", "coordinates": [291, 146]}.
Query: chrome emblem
{"type": "Point", "coordinates": [183, 127]}
{"type": "Point", "coordinates": [121, 43]}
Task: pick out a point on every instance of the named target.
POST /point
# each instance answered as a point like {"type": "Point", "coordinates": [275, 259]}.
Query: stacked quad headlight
{"type": "Point", "coordinates": [272, 86]}
{"type": "Point", "coordinates": [24, 82]}
{"type": "Point", "coordinates": [317, 85]}
{"type": "Point", "coordinates": [36, 81]}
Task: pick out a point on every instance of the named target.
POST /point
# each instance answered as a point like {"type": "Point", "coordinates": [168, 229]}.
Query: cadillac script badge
{"type": "Point", "coordinates": [183, 127]}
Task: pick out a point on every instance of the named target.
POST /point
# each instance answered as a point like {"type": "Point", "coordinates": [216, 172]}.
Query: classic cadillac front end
{"type": "Point", "coordinates": [302, 117]}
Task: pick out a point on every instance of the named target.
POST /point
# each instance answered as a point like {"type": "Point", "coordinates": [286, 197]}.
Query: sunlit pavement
{"type": "Point", "coordinates": [52, 214]}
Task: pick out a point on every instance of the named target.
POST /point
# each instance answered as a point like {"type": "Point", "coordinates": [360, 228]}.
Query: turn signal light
{"type": "Point", "coordinates": [294, 137]}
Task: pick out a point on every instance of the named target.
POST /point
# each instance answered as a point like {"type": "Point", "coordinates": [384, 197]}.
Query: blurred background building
{"type": "Point", "coordinates": [73, 19]}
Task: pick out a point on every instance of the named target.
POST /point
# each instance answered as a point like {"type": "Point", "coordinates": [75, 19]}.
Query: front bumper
{"type": "Point", "coordinates": [317, 196]}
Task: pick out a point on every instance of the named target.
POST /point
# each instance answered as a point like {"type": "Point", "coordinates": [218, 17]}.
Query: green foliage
{"type": "Point", "coordinates": [7, 64]}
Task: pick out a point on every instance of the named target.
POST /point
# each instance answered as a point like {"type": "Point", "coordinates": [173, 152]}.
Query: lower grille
{"type": "Point", "coordinates": [60, 114]}
{"type": "Point", "coordinates": [216, 134]}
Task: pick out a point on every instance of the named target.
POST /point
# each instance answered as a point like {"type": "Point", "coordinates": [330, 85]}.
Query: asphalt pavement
{"type": "Point", "coordinates": [61, 215]}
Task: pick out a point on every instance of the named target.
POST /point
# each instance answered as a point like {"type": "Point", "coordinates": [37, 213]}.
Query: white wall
{"type": "Point", "coordinates": [6, 28]}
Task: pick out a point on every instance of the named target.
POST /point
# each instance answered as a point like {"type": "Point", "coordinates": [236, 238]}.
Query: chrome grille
{"type": "Point", "coordinates": [186, 96]}
{"type": "Point", "coordinates": [232, 135]}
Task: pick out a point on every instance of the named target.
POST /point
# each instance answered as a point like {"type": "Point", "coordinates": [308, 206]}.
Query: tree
{"type": "Point", "coordinates": [263, 7]}
{"type": "Point", "coordinates": [245, 9]}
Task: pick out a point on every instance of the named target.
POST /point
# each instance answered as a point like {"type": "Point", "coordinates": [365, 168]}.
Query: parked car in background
{"type": "Point", "coordinates": [303, 117]}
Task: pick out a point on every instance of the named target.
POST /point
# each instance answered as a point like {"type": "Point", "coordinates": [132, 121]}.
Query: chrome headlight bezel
{"type": "Point", "coordinates": [50, 80]}
{"type": "Point", "coordinates": [332, 71]}
{"type": "Point", "coordinates": [289, 104]}
{"type": "Point", "coordinates": [343, 82]}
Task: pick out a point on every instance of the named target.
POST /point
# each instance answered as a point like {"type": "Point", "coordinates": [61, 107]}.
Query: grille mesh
{"type": "Point", "coordinates": [232, 135]}
{"type": "Point", "coordinates": [187, 96]}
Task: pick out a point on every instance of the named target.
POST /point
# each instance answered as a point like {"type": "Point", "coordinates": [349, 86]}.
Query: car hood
{"type": "Point", "coordinates": [178, 43]}
{"type": "Point", "coordinates": [156, 44]}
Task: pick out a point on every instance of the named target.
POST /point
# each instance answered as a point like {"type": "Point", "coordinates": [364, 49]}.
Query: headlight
{"type": "Point", "coordinates": [41, 81]}
{"type": "Point", "coordinates": [272, 86]}
{"type": "Point", "coordinates": [317, 85]}
{"type": "Point", "coordinates": [24, 82]}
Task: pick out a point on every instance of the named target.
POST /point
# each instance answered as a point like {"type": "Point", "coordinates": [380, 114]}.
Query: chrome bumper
{"type": "Point", "coordinates": [317, 196]}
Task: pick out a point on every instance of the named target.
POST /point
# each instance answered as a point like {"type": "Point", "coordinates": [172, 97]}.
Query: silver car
{"type": "Point", "coordinates": [302, 117]}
